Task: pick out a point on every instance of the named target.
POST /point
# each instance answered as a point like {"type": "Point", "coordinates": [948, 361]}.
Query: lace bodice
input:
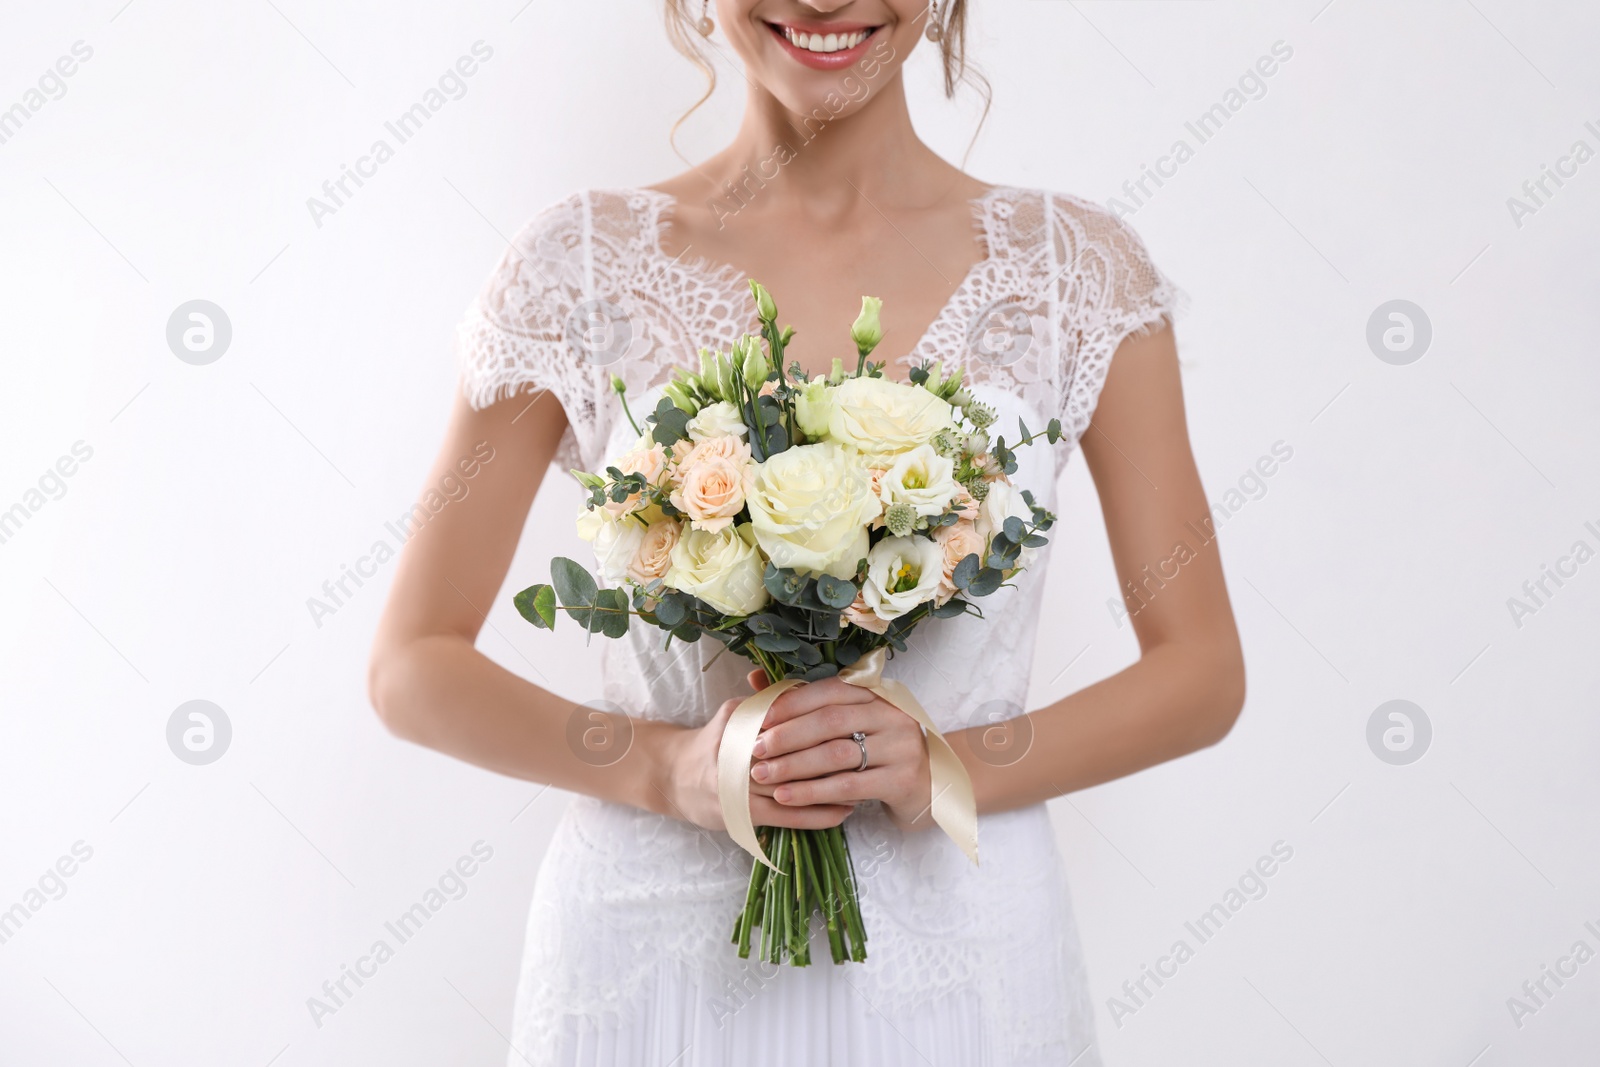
{"type": "Point", "coordinates": [584, 292]}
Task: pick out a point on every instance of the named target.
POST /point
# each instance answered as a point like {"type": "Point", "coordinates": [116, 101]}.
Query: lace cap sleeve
{"type": "Point", "coordinates": [1111, 291]}
{"type": "Point", "coordinates": [514, 338]}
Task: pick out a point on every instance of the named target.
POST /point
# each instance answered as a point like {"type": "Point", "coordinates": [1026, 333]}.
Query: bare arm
{"type": "Point", "coordinates": [1187, 687]}
{"type": "Point", "coordinates": [430, 685]}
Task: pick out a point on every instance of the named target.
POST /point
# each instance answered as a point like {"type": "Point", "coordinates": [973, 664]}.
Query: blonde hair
{"type": "Point", "coordinates": [681, 31]}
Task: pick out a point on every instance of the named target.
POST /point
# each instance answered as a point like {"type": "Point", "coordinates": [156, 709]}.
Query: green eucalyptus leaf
{"type": "Point", "coordinates": [537, 604]}
{"type": "Point", "coordinates": [836, 592]}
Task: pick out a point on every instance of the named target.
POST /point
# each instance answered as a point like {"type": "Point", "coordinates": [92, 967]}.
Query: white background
{"type": "Point", "coordinates": [1377, 564]}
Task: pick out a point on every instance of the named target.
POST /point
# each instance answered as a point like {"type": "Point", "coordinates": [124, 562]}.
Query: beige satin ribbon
{"type": "Point", "coordinates": [955, 808]}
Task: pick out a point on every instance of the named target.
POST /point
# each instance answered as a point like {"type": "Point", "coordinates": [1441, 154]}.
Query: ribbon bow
{"type": "Point", "coordinates": [954, 807]}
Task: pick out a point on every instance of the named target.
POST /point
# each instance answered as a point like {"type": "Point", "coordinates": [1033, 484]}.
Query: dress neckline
{"type": "Point", "coordinates": [733, 281]}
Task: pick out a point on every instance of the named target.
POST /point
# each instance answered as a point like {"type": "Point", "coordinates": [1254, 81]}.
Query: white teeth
{"type": "Point", "coordinates": [816, 42]}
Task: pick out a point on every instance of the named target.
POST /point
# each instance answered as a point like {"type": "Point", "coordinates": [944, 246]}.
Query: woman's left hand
{"type": "Point", "coordinates": [805, 754]}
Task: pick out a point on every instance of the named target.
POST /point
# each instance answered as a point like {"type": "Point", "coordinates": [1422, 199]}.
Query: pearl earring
{"type": "Point", "coordinates": [934, 31]}
{"type": "Point", "coordinates": [705, 25]}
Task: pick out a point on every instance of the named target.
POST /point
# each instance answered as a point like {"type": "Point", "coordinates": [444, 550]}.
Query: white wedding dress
{"type": "Point", "coordinates": [627, 960]}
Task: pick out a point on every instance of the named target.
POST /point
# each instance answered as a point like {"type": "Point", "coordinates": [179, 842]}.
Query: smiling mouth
{"type": "Point", "coordinates": [813, 43]}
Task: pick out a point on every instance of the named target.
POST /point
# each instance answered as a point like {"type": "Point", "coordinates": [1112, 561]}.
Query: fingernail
{"type": "Point", "coordinates": [781, 795]}
{"type": "Point", "coordinates": [760, 747]}
{"type": "Point", "coordinates": [760, 771]}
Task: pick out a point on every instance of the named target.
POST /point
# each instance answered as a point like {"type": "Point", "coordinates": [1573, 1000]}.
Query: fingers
{"type": "Point", "coordinates": [758, 679]}
{"type": "Point", "coordinates": [848, 787]}
{"type": "Point", "coordinates": [839, 754]}
{"type": "Point", "coordinates": [831, 721]}
{"type": "Point", "coordinates": [813, 695]}
{"type": "Point", "coordinates": [813, 817]}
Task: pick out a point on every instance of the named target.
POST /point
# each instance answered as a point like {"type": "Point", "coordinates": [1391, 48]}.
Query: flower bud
{"type": "Point", "coordinates": [766, 310]}
{"type": "Point", "coordinates": [618, 385]}
{"type": "Point", "coordinates": [756, 366]}
{"type": "Point", "coordinates": [867, 331]}
{"type": "Point", "coordinates": [682, 399]}
{"type": "Point", "coordinates": [836, 372]}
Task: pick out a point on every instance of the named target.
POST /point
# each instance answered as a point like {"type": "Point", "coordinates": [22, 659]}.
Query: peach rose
{"type": "Point", "coordinates": [654, 554]}
{"type": "Point", "coordinates": [859, 614]}
{"type": "Point", "coordinates": [957, 541]}
{"type": "Point", "coordinates": [647, 458]}
{"type": "Point", "coordinates": [711, 491]}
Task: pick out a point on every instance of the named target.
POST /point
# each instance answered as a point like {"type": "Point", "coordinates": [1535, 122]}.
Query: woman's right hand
{"type": "Point", "coordinates": [688, 784]}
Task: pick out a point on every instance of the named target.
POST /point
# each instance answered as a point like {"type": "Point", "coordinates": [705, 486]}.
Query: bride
{"type": "Point", "coordinates": [1052, 309]}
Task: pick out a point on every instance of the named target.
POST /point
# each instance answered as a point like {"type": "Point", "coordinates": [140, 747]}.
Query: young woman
{"type": "Point", "coordinates": [1052, 309]}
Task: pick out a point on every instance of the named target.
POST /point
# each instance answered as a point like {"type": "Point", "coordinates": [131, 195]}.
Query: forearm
{"type": "Point", "coordinates": [442, 693]}
{"type": "Point", "coordinates": [1173, 701]}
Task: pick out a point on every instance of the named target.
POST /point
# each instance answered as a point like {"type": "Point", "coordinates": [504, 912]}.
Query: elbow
{"type": "Point", "coordinates": [1227, 694]}
{"type": "Point", "coordinates": [385, 691]}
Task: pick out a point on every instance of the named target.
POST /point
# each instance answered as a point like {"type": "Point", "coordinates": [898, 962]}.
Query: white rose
{"type": "Point", "coordinates": [922, 478]}
{"type": "Point", "coordinates": [878, 417]}
{"type": "Point", "coordinates": [810, 506]}
{"type": "Point", "coordinates": [717, 420]}
{"type": "Point", "coordinates": [615, 540]}
{"type": "Point", "coordinates": [724, 569]}
{"type": "Point", "coordinates": [902, 572]}
{"type": "Point", "coordinates": [1001, 503]}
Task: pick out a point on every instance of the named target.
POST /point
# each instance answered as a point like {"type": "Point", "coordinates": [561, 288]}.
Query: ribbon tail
{"type": "Point", "coordinates": [955, 806]}
{"type": "Point", "coordinates": [733, 766]}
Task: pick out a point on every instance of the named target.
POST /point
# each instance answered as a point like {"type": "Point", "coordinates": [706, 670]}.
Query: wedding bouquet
{"type": "Point", "coordinates": [809, 526]}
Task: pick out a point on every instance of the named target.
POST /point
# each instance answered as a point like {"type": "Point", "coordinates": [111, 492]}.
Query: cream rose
{"type": "Point", "coordinates": [956, 542]}
{"type": "Point", "coordinates": [902, 572]}
{"type": "Point", "coordinates": [614, 538]}
{"type": "Point", "coordinates": [723, 569]}
{"type": "Point", "coordinates": [717, 420]}
{"type": "Point", "coordinates": [653, 555]}
{"type": "Point", "coordinates": [810, 506]}
{"type": "Point", "coordinates": [921, 478]}
{"type": "Point", "coordinates": [878, 417]}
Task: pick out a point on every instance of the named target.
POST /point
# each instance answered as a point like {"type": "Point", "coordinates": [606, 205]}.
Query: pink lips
{"type": "Point", "coordinates": [845, 57]}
